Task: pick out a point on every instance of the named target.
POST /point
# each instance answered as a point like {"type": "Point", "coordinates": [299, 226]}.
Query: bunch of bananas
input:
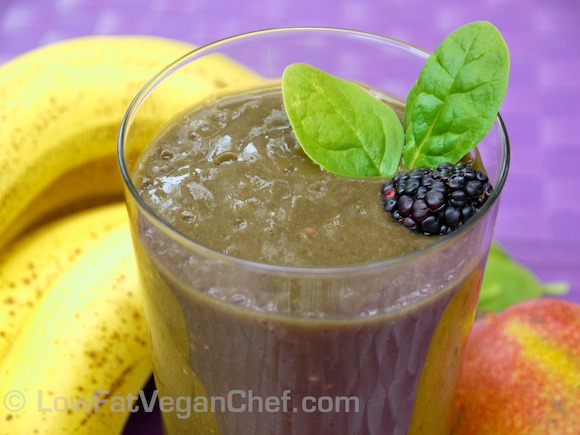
{"type": "Point", "coordinates": [71, 319]}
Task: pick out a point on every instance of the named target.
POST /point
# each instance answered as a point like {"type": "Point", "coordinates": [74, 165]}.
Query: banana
{"type": "Point", "coordinates": [32, 264]}
{"type": "Point", "coordinates": [83, 348]}
{"type": "Point", "coordinates": [60, 111]}
{"type": "Point", "coordinates": [71, 319]}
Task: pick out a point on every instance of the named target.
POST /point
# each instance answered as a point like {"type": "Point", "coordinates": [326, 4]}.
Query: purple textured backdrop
{"type": "Point", "coordinates": [539, 218]}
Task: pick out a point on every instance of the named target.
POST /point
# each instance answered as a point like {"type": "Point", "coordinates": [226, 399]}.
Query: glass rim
{"type": "Point", "coordinates": [267, 267]}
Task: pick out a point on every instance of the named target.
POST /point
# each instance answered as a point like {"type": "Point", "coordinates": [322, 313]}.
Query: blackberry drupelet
{"type": "Point", "coordinates": [436, 201]}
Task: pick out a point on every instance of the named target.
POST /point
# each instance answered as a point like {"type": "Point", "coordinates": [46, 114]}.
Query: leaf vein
{"type": "Point", "coordinates": [354, 129]}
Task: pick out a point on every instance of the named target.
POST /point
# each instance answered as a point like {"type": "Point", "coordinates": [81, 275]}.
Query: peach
{"type": "Point", "coordinates": [521, 373]}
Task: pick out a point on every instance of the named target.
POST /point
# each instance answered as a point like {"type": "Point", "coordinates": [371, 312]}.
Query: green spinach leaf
{"type": "Point", "coordinates": [341, 126]}
{"type": "Point", "coordinates": [457, 96]}
{"type": "Point", "coordinates": [507, 282]}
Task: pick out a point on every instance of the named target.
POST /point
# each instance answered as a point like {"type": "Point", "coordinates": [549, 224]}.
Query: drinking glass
{"type": "Point", "coordinates": [241, 347]}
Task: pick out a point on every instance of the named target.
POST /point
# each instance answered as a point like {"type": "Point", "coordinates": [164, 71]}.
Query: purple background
{"type": "Point", "coordinates": [539, 218]}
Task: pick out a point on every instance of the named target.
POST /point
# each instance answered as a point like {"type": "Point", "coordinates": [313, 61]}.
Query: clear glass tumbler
{"type": "Point", "coordinates": [373, 348]}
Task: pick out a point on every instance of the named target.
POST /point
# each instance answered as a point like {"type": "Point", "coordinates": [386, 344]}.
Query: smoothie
{"type": "Point", "coordinates": [229, 175]}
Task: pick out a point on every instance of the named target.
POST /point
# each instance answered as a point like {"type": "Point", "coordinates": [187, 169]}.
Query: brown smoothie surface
{"type": "Point", "coordinates": [231, 175]}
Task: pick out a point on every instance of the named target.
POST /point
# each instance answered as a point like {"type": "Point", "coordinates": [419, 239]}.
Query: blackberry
{"type": "Point", "coordinates": [436, 201]}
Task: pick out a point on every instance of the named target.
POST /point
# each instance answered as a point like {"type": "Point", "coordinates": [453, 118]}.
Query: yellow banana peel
{"type": "Point", "coordinates": [72, 328]}
{"type": "Point", "coordinates": [31, 265]}
{"type": "Point", "coordinates": [84, 343]}
{"type": "Point", "coordinates": [61, 107]}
